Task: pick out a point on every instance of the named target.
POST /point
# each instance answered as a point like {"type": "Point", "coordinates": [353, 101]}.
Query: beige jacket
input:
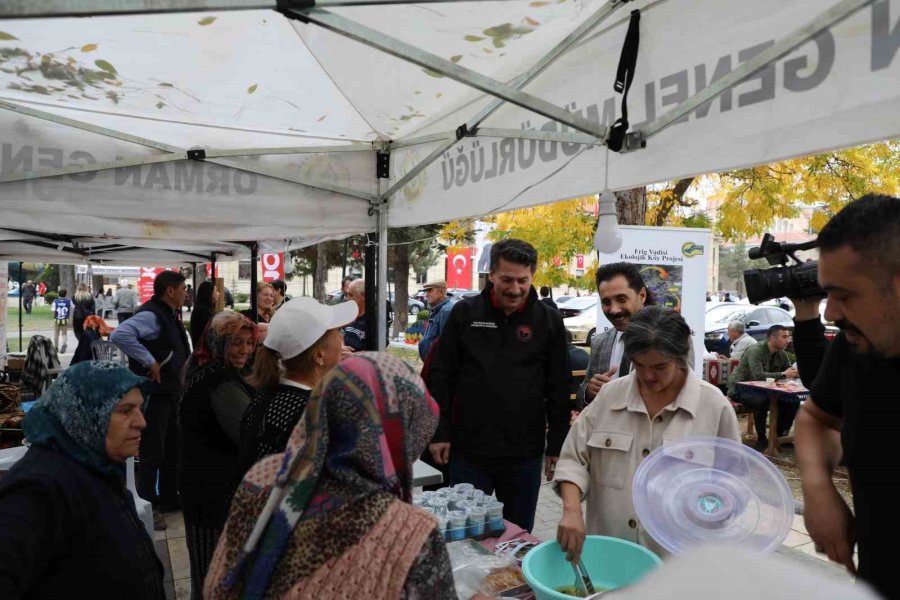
{"type": "Point", "coordinates": [614, 434]}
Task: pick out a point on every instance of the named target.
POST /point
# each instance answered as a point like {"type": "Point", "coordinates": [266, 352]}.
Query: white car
{"type": "Point", "coordinates": [580, 318]}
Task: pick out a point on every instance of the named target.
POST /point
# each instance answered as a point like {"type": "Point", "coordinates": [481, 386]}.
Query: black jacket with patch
{"type": "Point", "coordinates": [501, 381]}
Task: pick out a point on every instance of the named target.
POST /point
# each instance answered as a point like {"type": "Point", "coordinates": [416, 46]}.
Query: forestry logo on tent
{"type": "Point", "coordinates": [414, 188]}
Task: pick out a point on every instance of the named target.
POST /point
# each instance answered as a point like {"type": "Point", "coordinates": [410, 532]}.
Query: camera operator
{"type": "Point", "coordinates": [853, 408]}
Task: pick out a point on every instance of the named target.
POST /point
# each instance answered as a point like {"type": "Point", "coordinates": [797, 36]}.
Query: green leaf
{"type": "Point", "coordinates": [207, 21]}
{"type": "Point", "coordinates": [539, 4]}
{"type": "Point", "coordinates": [498, 43]}
{"type": "Point", "coordinates": [431, 73]}
{"type": "Point", "coordinates": [160, 104]}
{"type": "Point", "coordinates": [89, 47]}
{"type": "Point", "coordinates": [106, 66]}
{"type": "Point", "coordinates": [166, 85]}
{"type": "Point", "coordinates": [322, 118]}
{"type": "Point", "coordinates": [7, 36]}
{"type": "Point", "coordinates": [251, 89]}
{"type": "Point", "coordinates": [473, 38]}
{"type": "Point", "coordinates": [456, 59]}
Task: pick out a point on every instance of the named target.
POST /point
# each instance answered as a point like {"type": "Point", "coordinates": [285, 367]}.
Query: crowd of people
{"type": "Point", "coordinates": [294, 449]}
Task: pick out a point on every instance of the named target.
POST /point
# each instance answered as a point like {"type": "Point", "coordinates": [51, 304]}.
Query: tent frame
{"type": "Point", "coordinates": [310, 11]}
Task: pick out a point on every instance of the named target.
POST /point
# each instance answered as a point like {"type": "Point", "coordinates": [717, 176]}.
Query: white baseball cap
{"type": "Point", "coordinates": [299, 324]}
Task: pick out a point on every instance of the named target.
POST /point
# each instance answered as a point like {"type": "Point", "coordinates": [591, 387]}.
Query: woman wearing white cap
{"type": "Point", "coordinates": [303, 343]}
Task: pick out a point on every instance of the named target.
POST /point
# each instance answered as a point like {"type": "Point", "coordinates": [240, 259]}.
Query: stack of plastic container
{"type": "Point", "coordinates": [463, 512]}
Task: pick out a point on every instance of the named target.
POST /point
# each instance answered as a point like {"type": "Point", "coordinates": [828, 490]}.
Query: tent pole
{"type": "Point", "coordinates": [835, 14]}
{"type": "Point", "coordinates": [383, 333]}
{"type": "Point", "coordinates": [21, 283]}
{"type": "Point", "coordinates": [371, 290]}
{"type": "Point", "coordinates": [410, 53]}
{"type": "Point", "coordinates": [254, 267]}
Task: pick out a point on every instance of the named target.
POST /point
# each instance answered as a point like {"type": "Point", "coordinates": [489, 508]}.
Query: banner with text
{"type": "Point", "coordinates": [673, 263]}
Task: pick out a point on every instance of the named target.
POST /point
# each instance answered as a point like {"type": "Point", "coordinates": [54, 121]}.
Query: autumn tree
{"type": "Point", "coordinates": [417, 246]}
{"type": "Point", "coordinates": [751, 199]}
{"type": "Point", "coordinates": [558, 231]}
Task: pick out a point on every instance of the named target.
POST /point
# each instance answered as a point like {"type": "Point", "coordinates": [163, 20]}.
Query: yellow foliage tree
{"type": "Point", "coordinates": [751, 199]}
{"type": "Point", "coordinates": [558, 231]}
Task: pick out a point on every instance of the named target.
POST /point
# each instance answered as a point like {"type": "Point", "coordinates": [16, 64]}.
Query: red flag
{"type": "Point", "coordinates": [145, 282]}
{"type": "Point", "coordinates": [459, 268]}
{"type": "Point", "coordinates": [579, 261]}
{"type": "Point", "coordinates": [272, 266]}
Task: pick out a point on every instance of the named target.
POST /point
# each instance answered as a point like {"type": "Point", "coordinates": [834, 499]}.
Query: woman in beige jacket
{"type": "Point", "coordinates": [660, 401]}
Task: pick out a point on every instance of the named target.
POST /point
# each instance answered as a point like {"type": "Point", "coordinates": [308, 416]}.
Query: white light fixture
{"type": "Point", "coordinates": [608, 237]}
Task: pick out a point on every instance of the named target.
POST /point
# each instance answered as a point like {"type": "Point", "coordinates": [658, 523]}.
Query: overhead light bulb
{"type": "Point", "coordinates": [608, 237]}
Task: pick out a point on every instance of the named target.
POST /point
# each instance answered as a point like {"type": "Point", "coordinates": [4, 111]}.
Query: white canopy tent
{"type": "Point", "coordinates": [166, 130]}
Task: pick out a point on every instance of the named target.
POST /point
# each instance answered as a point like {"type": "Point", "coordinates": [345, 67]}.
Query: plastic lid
{"type": "Point", "coordinates": [708, 489]}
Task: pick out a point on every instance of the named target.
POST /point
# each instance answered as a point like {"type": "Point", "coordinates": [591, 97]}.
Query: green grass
{"type": "Point", "coordinates": [409, 355]}
{"type": "Point", "coordinates": [41, 317]}
{"type": "Point", "coordinates": [13, 342]}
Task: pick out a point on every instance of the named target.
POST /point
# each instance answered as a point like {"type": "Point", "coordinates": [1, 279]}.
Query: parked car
{"type": "Point", "coordinates": [563, 299]}
{"type": "Point", "coordinates": [756, 320]}
{"type": "Point", "coordinates": [575, 306]}
{"type": "Point", "coordinates": [582, 325]}
{"type": "Point", "coordinates": [414, 305]}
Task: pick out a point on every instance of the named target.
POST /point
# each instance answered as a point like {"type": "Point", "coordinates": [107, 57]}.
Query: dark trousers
{"type": "Point", "coordinates": [201, 544]}
{"type": "Point", "coordinates": [517, 482]}
{"type": "Point", "coordinates": [27, 303]}
{"type": "Point", "coordinates": [159, 452]}
{"type": "Point", "coordinates": [78, 327]}
{"type": "Point", "coordinates": [760, 405]}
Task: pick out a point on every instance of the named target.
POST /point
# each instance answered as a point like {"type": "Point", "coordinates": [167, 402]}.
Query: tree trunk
{"type": "Point", "coordinates": [321, 272]}
{"type": "Point", "coordinates": [401, 289]}
{"type": "Point", "coordinates": [631, 206]}
{"type": "Point", "coordinates": [67, 278]}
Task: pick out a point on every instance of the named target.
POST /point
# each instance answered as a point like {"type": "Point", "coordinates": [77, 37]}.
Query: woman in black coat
{"type": "Point", "coordinates": [207, 296]}
{"type": "Point", "coordinates": [215, 397]}
{"type": "Point", "coordinates": [68, 526]}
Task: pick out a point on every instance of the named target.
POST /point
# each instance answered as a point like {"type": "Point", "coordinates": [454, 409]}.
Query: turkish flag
{"type": "Point", "coordinates": [209, 274]}
{"type": "Point", "coordinates": [579, 261]}
{"type": "Point", "coordinates": [459, 268]}
{"type": "Point", "coordinates": [272, 266]}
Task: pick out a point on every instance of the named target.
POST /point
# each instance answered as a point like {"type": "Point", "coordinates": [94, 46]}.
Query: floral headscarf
{"type": "Point", "coordinates": [348, 458]}
{"type": "Point", "coordinates": [212, 355]}
{"type": "Point", "coordinates": [73, 416]}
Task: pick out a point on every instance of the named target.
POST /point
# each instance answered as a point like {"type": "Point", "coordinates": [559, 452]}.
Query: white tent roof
{"type": "Point", "coordinates": [289, 113]}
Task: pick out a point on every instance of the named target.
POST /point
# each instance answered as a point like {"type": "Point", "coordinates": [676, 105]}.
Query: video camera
{"type": "Point", "coordinates": [799, 280]}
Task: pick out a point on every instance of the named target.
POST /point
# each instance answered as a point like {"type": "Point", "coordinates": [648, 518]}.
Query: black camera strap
{"type": "Point", "coordinates": [624, 76]}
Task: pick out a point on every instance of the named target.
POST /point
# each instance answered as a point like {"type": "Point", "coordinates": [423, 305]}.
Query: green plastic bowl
{"type": "Point", "coordinates": [610, 562]}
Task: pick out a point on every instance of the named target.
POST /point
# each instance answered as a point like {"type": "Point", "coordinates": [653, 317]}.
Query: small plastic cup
{"type": "Point", "coordinates": [442, 525]}
{"type": "Point", "coordinates": [444, 491]}
{"type": "Point", "coordinates": [454, 499]}
{"type": "Point", "coordinates": [456, 525]}
{"type": "Point", "coordinates": [770, 380]}
{"type": "Point", "coordinates": [476, 521]}
{"type": "Point", "coordinates": [428, 509]}
{"type": "Point", "coordinates": [494, 516]}
{"type": "Point", "coordinates": [464, 488]}
{"type": "Point", "coordinates": [477, 495]}
{"type": "Point", "coordinates": [439, 504]}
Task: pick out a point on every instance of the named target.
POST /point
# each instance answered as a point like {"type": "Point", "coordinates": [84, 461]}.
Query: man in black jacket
{"type": "Point", "coordinates": [501, 377]}
{"type": "Point", "coordinates": [852, 411]}
{"type": "Point", "coordinates": [157, 347]}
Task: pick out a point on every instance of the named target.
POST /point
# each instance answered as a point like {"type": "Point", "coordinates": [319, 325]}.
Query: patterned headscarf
{"type": "Point", "coordinates": [347, 459]}
{"type": "Point", "coordinates": [73, 416]}
{"type": "Point", "coordinates": [212, 355]}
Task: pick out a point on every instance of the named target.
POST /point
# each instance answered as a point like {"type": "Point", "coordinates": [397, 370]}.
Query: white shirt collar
{"type": "Point", "coordinates": [295, 384]}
